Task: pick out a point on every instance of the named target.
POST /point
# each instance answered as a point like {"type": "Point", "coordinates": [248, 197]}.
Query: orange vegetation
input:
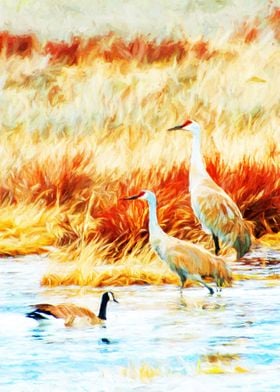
{"type": "Point", "coordinates": [274, 21]}
{"type": "Point", "coordinates": [248, 31]}
{"type": "Point", "coordinates": [71, 182]}
{"type": "Point", "coordinates": [22, 45]}
{"type": "Point", "coordinates": [111, 47]}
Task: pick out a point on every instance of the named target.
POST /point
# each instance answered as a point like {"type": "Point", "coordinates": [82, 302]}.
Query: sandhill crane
{"type": "Point", "coordinates": [216, 211]}
{"type": "Point", "coordinates": [71, 313]}
{"type": "Point", "coordinates": [184, 258]}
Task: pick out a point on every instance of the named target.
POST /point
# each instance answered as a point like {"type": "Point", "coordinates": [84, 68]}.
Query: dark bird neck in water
{"type": "Point", "coordinates": [106, 297]}
{"type": "Point", "coordinates": [103, 307]}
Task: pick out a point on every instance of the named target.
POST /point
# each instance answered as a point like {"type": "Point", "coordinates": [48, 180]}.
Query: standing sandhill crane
{"type": "Point", "coordinates": [71, 313]}
{"type": "Point", "coordinates": [184, 258]}
{"type": "Point", "coordinates": [216, 211]}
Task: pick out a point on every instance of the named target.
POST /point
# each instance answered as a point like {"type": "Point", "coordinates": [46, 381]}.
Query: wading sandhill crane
{"type": "Point", "coordinates": [184, 258]}
{"type": "Point", "coordinates": [71, 313]}
{"type": "Point", "coordinates": [216, 211]}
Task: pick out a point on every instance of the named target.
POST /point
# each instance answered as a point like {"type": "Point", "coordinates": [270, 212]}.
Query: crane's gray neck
{"type": "Point", "coordinates": [197, 168]}
{"type": "Point", "coordinates": [103, 307]}
{"type": "Point", "coordinates": [154, 228]}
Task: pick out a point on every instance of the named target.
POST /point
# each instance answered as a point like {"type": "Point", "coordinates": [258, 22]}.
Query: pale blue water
{"type": "Point", "coordinates": [151, 326]}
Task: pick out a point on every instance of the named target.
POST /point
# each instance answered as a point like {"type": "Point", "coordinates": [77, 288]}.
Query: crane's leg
{"type": "Point", "coordinates": [183, 277]}
{"type": "Point", "coordinates": [219, 283]}
{"type": "Point", "coordinates": [183, 280]}
{"type": "Point", "coordinates": [211, 291]}
{"type": "Point", "coordinates": [201, 281]}
{"type": "Point", "coordinates": [216, 242]}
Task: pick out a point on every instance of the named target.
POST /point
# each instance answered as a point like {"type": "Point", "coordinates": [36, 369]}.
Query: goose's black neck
{"type": "Point", "coordinates": [103, 307]}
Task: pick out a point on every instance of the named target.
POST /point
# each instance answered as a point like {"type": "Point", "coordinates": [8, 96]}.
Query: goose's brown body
{"type": "Point", "coordinates": [68, 312]}
{"type": "Point", "coordinates": [71, 313]}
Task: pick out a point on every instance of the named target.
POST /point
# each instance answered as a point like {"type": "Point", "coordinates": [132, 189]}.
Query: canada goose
{"type": "Point", "coordinates": [70, 312]}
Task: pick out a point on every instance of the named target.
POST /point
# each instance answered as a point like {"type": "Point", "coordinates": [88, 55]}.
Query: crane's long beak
{"type": "Point", "coordinates": [133, 197]}
{"type": "Point", "coordinates": [175, 128]}
{"type": "Point", "coordinates": [114, 299]}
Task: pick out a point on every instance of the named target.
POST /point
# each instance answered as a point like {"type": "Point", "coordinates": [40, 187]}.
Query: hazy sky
{"type": "Point", "coordinates": [159, 18]}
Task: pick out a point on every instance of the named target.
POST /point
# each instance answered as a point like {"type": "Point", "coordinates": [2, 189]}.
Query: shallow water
{"type": "Point", "coordinates": [156, 340]}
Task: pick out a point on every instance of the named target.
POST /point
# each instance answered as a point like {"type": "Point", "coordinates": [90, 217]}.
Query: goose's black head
{"type": "Point", "coordinates": [109, 296]}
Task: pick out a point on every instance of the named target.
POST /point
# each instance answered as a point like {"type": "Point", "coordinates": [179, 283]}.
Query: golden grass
{"type": "Point", "coordinates": [271, 240]}
{"type": "Point", "coordinates": [93, 267]}
{"type": "Point", "coordinates": [25, 229]}
{"type": "Point", "coordinates": [78, 135]}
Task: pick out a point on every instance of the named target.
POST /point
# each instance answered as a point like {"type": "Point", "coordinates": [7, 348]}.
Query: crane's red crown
{"type": "Point", "coordinates": [187, 122]}
{"type": "Point", "coordinates": [142, 193]}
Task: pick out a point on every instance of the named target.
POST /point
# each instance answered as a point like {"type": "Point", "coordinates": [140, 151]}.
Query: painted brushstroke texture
{"type": "Point", "coordinates": [84, 114]}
